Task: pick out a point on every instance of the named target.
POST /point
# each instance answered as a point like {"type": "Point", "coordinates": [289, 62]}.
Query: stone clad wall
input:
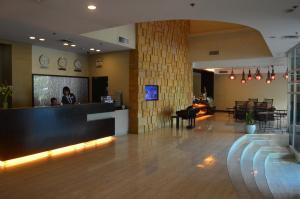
{"type": "Point", "coordinates": [161, 58]}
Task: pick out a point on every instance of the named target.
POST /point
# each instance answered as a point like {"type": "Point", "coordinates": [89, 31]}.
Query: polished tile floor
{"type": "Point", "coordinates": [164, 164]}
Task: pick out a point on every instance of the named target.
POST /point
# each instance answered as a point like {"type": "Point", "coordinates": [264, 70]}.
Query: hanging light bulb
{"type": "Point", "coordinates": [286, 74]}
{"type": "Point", "coordinates": [258, 75]}
{"type": "Point", "coordinates": [269, 80]}
{"type": "Point", "coordinates": [249, 76]}
{"type": "Point", "coordinates": [232, 76]}
{"type": "Point", "coordinates": [273, 75]}
{"type": "Point", "coordinates": [243, 81]}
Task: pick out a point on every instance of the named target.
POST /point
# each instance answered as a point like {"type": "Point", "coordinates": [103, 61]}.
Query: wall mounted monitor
{"type": "Point", "coordinates": [151, 92]}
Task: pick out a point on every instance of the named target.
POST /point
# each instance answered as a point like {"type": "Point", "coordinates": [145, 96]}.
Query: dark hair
{"type": "Point", "coordinates": [66, 89]}
{"type": "Point", "coordinates": [53, 99]}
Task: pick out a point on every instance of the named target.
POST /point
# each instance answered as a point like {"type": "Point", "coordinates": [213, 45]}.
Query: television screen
{"type": "Point", "coordinates": [151, 92]}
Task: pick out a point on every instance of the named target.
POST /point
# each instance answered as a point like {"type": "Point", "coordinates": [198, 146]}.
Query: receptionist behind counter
{"type": "Point", "coordinates": [68, 97]}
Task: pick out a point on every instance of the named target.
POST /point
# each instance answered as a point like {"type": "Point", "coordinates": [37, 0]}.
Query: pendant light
{"type": "Point", "coordinates": [249, 76]}
{"type": "Point", "coordinates": [269, 80]}
{"type": "Point", "coordinates": [232, 76]}
{"type": "Point", "coordinates": [243, 81]}
{"type": "Point", "coordinates": [273, 75]}
{"type": "Point", "coordinates": [286, 74]}
{"type": "Point", "coordinates": [258, 75]}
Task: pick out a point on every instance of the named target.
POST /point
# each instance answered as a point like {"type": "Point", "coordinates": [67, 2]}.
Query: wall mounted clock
{"type": "Point", "coordinates": [44, 61]}
{"type": "Point", "coordinates": [62, 63]}
{"type": "Point", "coordinates": [77, 65]}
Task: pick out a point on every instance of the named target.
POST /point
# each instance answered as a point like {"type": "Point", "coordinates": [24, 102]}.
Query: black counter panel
{"type": "Point", "coordinates": [33, 130]}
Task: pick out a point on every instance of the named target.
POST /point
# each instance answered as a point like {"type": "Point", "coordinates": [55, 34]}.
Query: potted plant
{"type": "Point", "coordinates": [5, 92]}
{"type": "Point", "coordinates": [250, 123]}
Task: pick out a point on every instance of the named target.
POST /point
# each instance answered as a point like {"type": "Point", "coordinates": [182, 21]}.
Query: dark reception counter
{"type": "Point", "coordinates": [29, 131]}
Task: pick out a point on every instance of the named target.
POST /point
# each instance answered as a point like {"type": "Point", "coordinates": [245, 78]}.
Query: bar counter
{"type": "Point", "coordinates": [28, 131]}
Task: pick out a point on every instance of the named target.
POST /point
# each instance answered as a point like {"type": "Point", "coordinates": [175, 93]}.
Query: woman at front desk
{"type": "Point", "coordinates": [68, 97]}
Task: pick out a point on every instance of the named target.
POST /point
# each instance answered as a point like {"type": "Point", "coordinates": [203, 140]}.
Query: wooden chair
{"type": "Point", "coordinates": [269, 102]}
{"type": "Point", "coordinates": [253, 100]}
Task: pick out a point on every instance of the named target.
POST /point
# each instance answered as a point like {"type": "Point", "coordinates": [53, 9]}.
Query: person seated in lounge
{"type": "Point", "coordinates": [68, 97]}
{"type": "Point", "coordinates": [54, 102]}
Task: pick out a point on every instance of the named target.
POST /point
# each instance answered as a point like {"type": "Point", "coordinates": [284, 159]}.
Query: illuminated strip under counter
{"type": "Point", "coordinates": [56, 152]}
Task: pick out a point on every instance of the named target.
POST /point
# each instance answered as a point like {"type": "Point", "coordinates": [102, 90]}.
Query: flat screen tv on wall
{"type": "Point", "coordinates": [151, 92]}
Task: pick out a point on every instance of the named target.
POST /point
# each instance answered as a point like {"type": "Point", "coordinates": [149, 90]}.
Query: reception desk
{"type": "Point", "coordinates": [30, 131]}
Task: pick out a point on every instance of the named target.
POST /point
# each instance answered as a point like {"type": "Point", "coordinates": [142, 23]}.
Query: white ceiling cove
{"type": "Point", "coordinates": [70, 18]}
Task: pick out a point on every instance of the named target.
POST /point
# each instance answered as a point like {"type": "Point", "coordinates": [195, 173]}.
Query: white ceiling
{"type": "Point", "coordinates": [70, 18]}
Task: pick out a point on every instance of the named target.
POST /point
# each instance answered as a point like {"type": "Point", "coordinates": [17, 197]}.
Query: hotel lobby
{"type": "Point", "coordinates": [149, 99]}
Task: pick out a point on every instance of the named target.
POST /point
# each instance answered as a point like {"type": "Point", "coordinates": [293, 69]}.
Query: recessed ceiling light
{"type": "Point", "coordinates": [92, 49]}
{"type": "Point", "coordinates": [98, 50]}
{"type": "Point", "coordinates": [73, 45]}
{"type": "Point", "coordinates": [66, 44]}
{"type": "Point", "coordinates": [92, 7]}
{"type": "Point", "coordinates": [32, 37]}
{"type": "Point", "coordinates": [42, 39]}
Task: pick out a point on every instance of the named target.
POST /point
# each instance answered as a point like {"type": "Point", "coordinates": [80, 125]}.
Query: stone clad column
{"type": "Point", "coordinates": [161, 58]}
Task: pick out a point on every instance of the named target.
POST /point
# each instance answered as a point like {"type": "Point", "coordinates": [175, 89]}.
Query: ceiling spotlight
{"type": "Point", "coordinates": [273, 75]}
{"type": "Point", "coordinates": [66, 44]}
{"type": "Point", "coordinates": [243, 81]}
{"type": "Point", "coordinates": [98, 50]}
{"type": "Point", "coordinates": [32, 37]}
{"type": "Point", "coordinates": [42, 39]}
{"type": "Point", "coordinates": [92, 49]}
{"type": "Point", "coordinates": [258, 75]}
{"type": "Point", "coordinates": [232, 76]}
{"type": "Point", "coordinates": [73, 45]}
{"type": "Point", "coordinates": [92, 7]}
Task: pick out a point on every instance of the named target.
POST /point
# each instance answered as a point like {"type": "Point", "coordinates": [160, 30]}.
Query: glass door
{"type": "Point", "coordinates": [294, 98]}
{"type": "Point", "coordinates": [291, 100]}
{"type": "Point", "coordinates": [297, 100]}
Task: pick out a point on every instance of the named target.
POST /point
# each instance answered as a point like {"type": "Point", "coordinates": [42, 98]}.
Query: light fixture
{"type": "Point", "coordinates": [98, 50]}
{"type": "Point", "coordinates": [42, 39]}
{"type": "Point", "coordinates": [232, 76]}
{"type": "Point", "coordinates": [249, 76]}
{"type": "Point", "coordinates": [273, 75]}
{"type": "Point", "coordinates": [92, 7]}
{"type": "Point", "coordinates": [73, 45]}
{"type": "Point", "coordinates": [66, 44]}
{"type": "Point", "coordinates": [286, 74]}
{"type": "Point", "coordinates": [32, 37]}
{"type": "Point", "coordinates": [258, 75]}
{"type": "Point", "coordinates": [92, 49]}
{"type": "Point", "coordinates": [268, 80]}
{"type": "Point", "coordinates": [243, 81]}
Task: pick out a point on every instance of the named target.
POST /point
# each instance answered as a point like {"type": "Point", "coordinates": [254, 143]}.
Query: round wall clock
{"type": "Point", "coordinates": [77, 65]}
{"type": "Point", "coordinates": [62, 63]}
{"type": "Point", "coordinates": [44, 61]}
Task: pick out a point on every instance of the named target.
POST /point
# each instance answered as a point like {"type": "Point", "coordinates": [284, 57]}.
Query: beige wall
{"type": "Point", "coordinates": [116, 67]}
{"type": "Point", "coordinates": [111, 35]}
{"type": "Point", "coordinates": [21, 73]}
{"type": "Point", "coordinates": [245, 43]}
{"type": "Point", "coordinates": [54, 55]}
{"type": "Point", "coordinates": [161, 58]}
{"type": "Point", "coordinates": [227, 92]}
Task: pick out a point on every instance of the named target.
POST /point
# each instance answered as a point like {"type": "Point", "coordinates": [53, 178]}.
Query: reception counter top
{"type": "Point", "coordinates": [29, 131]}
